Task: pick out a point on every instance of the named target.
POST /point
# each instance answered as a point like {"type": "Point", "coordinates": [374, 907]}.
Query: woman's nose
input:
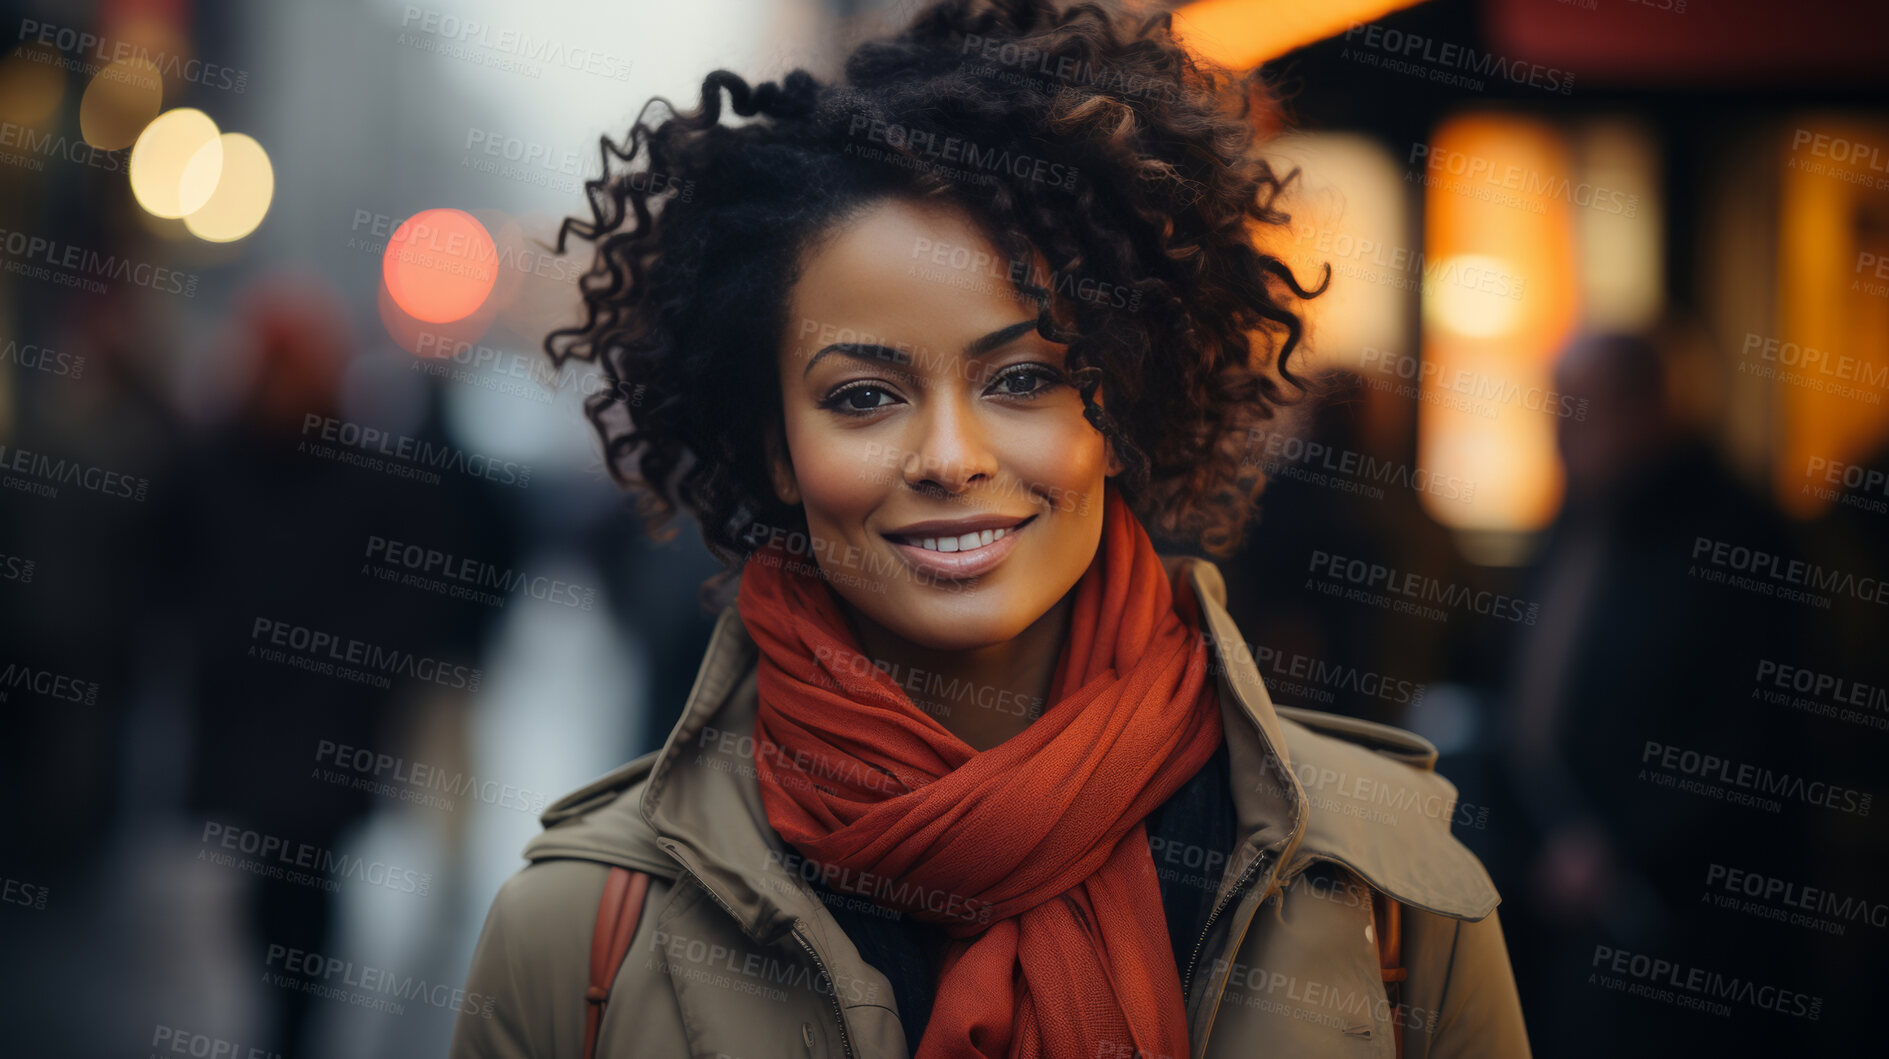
{"type": "Point", "coordinates": [953, 450]}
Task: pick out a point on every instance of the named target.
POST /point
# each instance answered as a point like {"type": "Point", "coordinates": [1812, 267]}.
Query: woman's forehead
{"type": "Point", "coordinates": [906, 272]}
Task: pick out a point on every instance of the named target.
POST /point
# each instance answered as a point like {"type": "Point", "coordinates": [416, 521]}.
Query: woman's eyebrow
{"type": "Point", "coordinates": [997, 339]}
{"type": "Point", "coordinates": [863, 351]}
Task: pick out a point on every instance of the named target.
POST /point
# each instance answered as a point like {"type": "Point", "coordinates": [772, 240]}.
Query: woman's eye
{"type": "Point", "coordinates": [858, 399]}
{"type": "Point", "coordinates": [1026, 382]}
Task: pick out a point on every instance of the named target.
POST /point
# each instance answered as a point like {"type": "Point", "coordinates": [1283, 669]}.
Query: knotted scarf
{"type": "Point", "coordinates": [1031, 854]}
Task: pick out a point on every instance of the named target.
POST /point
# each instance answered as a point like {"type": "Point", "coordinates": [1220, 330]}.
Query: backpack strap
{"type": "Point", "coordinates": [1388, 928]}
{"type": "Point", "coordinates": [617, 913]}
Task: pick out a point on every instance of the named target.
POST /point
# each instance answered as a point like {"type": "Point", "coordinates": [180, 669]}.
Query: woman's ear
{"type": "Point", "coordinates": [780, 467]}
{"type": "Point", "coordinates": [1108, 446]}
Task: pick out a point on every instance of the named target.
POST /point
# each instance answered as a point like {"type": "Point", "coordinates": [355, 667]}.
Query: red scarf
{"type": "Point", "coordinates": [1032, 854]}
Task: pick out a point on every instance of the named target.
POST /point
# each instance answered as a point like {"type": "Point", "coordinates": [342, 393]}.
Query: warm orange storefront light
{"type": "Point", "coordinates": [1244, 33]}
{"type": "Point", "coordinates": [440, 265]}
{"type": "Point", "coordinates": [1499, 301]}
{"type": "Point", "coordinates": [1829, 361]}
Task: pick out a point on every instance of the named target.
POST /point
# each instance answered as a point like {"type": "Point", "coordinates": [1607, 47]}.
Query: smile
{"type": "Point", "coordinates": [967, 543]}
{"type": "Point", "coordinates": [938, 551]}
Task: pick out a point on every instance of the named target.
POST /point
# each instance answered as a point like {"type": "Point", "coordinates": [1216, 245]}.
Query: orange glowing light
{"type": "Point", "coordinates": [32, 85]}
{"type": "Point", "coordinates": [1499, 301]}
{"type": "Point", "coordinates": [1241, 34]}
{"type": "Point", "coordinates": [440, 265]}
{"type": "Point", "coordinates": [458, 340]}
{"type": "Point", "coordinates": [1829, 359]}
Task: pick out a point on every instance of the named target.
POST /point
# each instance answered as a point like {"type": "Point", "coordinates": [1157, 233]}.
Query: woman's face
{"type": "Point", "coordinates": [952, 487]}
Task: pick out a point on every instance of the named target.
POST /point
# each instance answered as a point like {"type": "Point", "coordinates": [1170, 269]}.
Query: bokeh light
{"type": "Point", "coordinates": [1469, 305]}
{"type": "Point", "coordinates": [121, 100]}
{"type": "Point", "coordinates": [1502, 300]}
{"type": "Point", "coordinates": [168, 176]}
{"type": "Point", "coordinates": [244, 189]}
{"type": "Point", "coordinates": [440, 265]}
{"type": "Point", "coordinates": [32, 85]}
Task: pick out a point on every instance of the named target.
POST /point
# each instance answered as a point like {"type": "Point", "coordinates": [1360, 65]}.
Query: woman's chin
{"type": "Point", "coordinates": [952, 624]}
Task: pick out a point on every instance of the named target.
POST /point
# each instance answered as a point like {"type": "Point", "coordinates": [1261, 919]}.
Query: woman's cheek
{"type": "Point", "coordinates": [835, 472]}
{"type": "Point", "coordinates": [1069, 462]}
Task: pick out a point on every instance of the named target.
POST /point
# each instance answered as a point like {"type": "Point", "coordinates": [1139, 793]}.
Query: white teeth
{"type": "Point", "coordinates": [968, 542]}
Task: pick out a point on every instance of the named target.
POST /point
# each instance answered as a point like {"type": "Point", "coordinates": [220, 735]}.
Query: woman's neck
{"type": "Point", "coordinates": [984, 695]}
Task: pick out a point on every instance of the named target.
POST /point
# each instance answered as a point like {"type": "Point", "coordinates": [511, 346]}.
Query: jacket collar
{"type": "Point", "coordinates": [704, 802]}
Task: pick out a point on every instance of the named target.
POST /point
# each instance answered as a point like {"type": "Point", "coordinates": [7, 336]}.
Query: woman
{"type": "Point", "coordinates": [968, 769]}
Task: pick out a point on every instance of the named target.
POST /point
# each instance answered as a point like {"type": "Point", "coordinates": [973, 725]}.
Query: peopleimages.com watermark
{"type": "Point", "coordinates": [38, 474]}
{"type": "Point", "coordinates": [735, 752]}
{"type": "Point", "coordinates": [1378, 800]}
{"type": "Point", "coordinates": [1446, 62]}
{"type": "Point", "coordinates": [951, 157]}
{"type": "Point", "coordinates": [1401, 268]}
{"type": "Point", "coordinates": [1314, 679]}
{"type": "Point", "coordinates": [839, 563]}
{"type": "Point", "coordinates": [1007, 59]}
{"type": "Point", "coordinates": [85, 52]}
{"type": "Point", "coordinates": [971, 268]}
{"type": "Point", "coordinates": [1742, 783]}
{"type": "Point", "coordinates": [1851, 161]}
{"type": "Point", "coordinates": [531, 377]}
{"type": "Point", "coordinates": [884, 462]}
{"type": "Point", "coordinates": [26, 895]}
{"type": "Point", "coordinates": [17, 568]}
{"type": "Point", "coordinates": [1877, 265]}
{"type": "Point", "coordinates": [46, 683]}
{"type": "Point", "coordinates": [1286, 455]}
{"type": "Point", "coordinates": [30, 357]}
{"type": "Point", "coordinates": [39, 146]}
{"type": "Point", "coordinates": [302, 863]}
{"type": "Point", "coordinates": [1768, 574]}
{"type": "Point", "coordinates": [459, 577]}
{"type": "Point", "coordinates": [1822, 694]}
{"type": "Point", "coordinates": [1808, 368]}
{"type": "Point", "coordinates": [452, 252]}
{"type": "Point", "coordinates": [69, 265]}
{"type": "Point", "coordinates": [931, 690]}
{"type": "Point", "coordinates": [1791, 903]}
{"type": "Point", "coordinates": [401, 456]}
{"type": "Point", "coordinates": [1429, 381]}
{"type": "Point", "coordinates": [710, 962]}
{"type": "Point", "coordinates": [345, 658]}
{"type": "Point", "coordinates": [882, 890]}
{"type": "Point", "coordinates": [815, 337]}
{"type": "Point", "coordinates": [1335, 1006]}
{"type": "Point", "coordinates": [1509, 184]}
{"type": "Point", "coordinates": [175, 1040]}
{"type": "Point", "coordinates": [1695, 988]}
{"type": "Point", "coordinates": [528, 161]}
{"type": "Point", "coordinates": [503, 49]}
{"type": "Point", "coordinates": [364, 985]}
{"type": "Point", "coordinates": [1848, 484]}
{"type": "Point", "coordinates": [1407, 591]}
{"type": "Point", "coordinates": [392, 776]}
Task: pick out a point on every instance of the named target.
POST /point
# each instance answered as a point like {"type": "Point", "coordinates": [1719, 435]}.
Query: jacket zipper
{"type": "Point", "coordinates": [839, 1015]}
{"type": "Point", "coordinates": [1187, 981]}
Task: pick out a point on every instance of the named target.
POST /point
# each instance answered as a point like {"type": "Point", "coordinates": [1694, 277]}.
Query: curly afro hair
{"type": "Point", "coordinates": [699, 229]}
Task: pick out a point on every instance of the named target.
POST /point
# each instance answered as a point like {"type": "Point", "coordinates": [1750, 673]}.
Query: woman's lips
{"type": "Point", "coordinates": [953, 566]}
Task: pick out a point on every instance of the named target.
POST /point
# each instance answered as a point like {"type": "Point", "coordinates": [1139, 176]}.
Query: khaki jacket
{"type": "Point", "coordinates": [736, 956]}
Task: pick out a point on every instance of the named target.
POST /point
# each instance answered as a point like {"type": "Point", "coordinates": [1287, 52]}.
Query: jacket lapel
{"type": "Point", "coordinates": [704, 804]}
